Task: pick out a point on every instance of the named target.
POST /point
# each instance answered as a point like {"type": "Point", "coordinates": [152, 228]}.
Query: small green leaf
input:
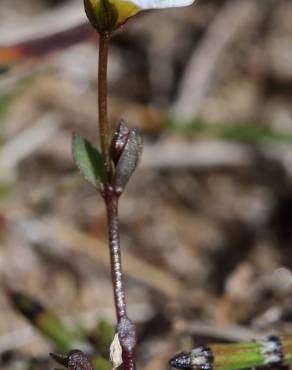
{"type": "Point", "coordinates": [87, 159]}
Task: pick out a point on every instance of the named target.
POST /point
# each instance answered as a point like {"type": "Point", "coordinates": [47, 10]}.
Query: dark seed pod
{"type": "Point", "coordinates": [128, 160]}
{"type": "Point", "coordinates": [74, 360]}
{"type": "Point", "coordinates": [181, 361]}
{"type": "Point", "coordinates": [78, 361]}
{"type": "Point", "coordinates": [119, 141]}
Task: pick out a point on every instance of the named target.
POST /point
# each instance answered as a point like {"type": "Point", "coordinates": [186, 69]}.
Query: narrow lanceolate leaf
{"type": "Point", "coordinates": [88, 160]}
{"type": "Point", "coordinates": [43, 320]}
{"type": "Point", "coordinates": [128, 159]}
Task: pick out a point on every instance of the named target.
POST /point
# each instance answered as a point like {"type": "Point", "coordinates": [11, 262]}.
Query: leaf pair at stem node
{"type": "Point", "coordinates": [125, 152]}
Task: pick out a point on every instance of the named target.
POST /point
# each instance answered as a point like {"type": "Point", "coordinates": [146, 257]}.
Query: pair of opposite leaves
{"type": "Point", "coordinates": [125, 152]}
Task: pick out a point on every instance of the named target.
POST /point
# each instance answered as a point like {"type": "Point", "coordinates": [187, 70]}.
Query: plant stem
{"type": "Point", "coordinates": [115, 254]}
{"type": "Point", "coordinates": [126, 329]}
{"type": "Point", "coordinates": [104, 129]}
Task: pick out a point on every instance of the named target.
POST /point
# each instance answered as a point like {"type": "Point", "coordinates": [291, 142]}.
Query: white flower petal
{"type": "Point", "coordinates": [159, 4]}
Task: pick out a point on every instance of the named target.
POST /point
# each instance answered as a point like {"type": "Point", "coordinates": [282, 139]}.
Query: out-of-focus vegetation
{"type": "Point", "coordinates": [248, 132]}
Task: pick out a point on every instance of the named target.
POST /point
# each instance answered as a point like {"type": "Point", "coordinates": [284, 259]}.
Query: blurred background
{"type": "Point", "coordinates": [206, 222]}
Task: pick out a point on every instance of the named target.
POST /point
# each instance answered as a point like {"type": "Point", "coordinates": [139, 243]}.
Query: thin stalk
{"type": "Point", "coordinates": [111, 201]}
{"type": "Point", "coordinates": [126, 329]}
{"type": "Point", "coordinates": [104, 129]}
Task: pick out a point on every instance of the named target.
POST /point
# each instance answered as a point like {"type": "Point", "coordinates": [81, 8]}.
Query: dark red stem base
{"type": "Point", "coordinates": [126, 329]}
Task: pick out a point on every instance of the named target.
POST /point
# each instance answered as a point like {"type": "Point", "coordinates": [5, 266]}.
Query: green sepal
{"type": "Point", "coordinates": [103, 15]}
{"type": "Point", "coordinates": [88, 160]}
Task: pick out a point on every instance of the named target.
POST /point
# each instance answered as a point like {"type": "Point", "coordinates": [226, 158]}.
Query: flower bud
{"type": "Point", "coordinates": [119, 141]}
{"type": "Point", "coordinates": [108, 15]}
{"type": "Point", "coordinates": [102, 14]}
{"type": "Point", "coordinates": [128, 160]}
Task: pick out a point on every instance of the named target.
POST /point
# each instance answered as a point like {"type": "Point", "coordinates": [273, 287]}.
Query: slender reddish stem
{"type": "Point", "coordinates": [104, 129]}
{"type": "Point", "coordinates": [111, 201]}
{"type": "Point", "coordinates": [126, 328]}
